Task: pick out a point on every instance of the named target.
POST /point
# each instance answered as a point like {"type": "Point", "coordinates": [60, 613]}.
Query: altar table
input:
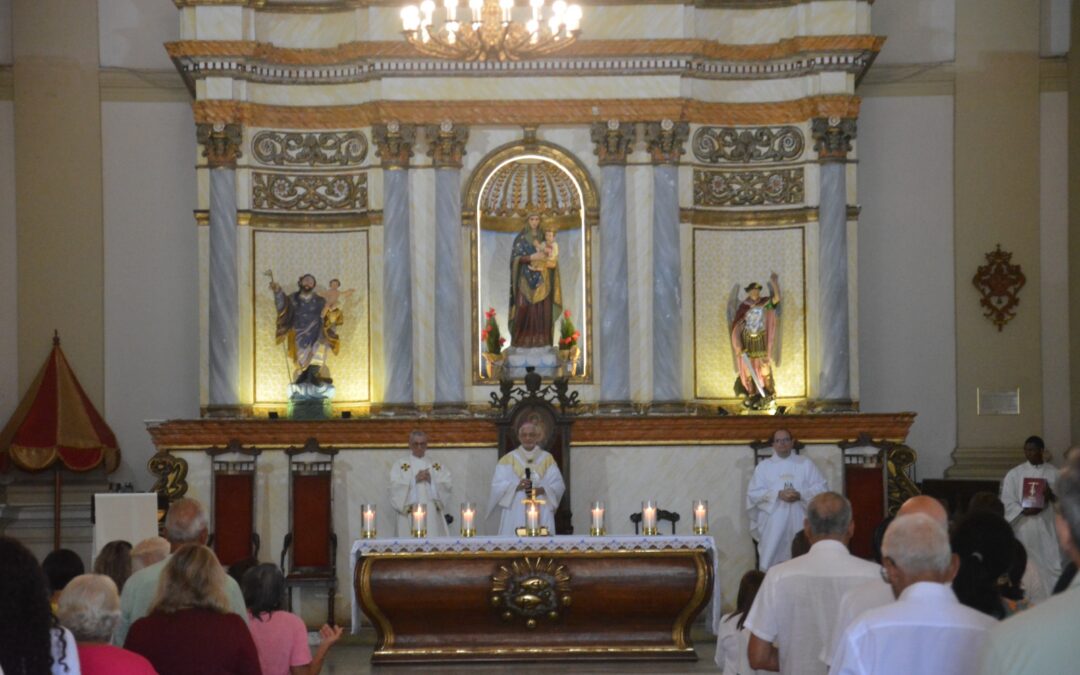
{"type": "Point", "coordinates": [509, 598]}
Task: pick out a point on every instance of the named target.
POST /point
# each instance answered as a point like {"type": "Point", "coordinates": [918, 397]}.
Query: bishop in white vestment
{"type": "Point", "coordinates": [415, 479]}
{"type": "Point", "coordinates": [509, 483]}
{"type": "Point", "coordinates": [1034, 527]}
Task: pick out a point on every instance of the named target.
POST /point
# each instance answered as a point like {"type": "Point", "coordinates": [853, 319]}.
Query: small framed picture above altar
{"type": "Point", "coordinates": [531, 251]}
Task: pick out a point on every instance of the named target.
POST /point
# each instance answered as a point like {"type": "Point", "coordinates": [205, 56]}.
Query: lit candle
{"type": "Point", "coordinates": [367, 530]}
{"type": "Point", "coordinates": [596, 527]}
{"type": "Point", "coordinates": [701, 516]}
{"type": "Point", "coordinates": [419, 521]}
{"type": "Point", "coordinates": [648, 517]}
{"type": "Point", "coordinates": [532, 520]}
{"type": "Point", "coordinates": [468, 519]}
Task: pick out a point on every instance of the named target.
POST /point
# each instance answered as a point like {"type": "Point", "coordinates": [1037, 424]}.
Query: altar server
{"type": "Point", "coordinates": [1027, 491]}
{"type": "Point", "coordinates": [415, 479]}
{"type": "Point", "coordinates": [527, 466]}
{"type": "Point", "coordinates": [776, 499]}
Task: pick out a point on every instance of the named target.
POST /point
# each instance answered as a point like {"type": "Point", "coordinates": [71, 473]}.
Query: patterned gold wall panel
{"type": "Point", "coordinates": [327, 255]}
{"type": "Point", "coordinates": [728, 258]}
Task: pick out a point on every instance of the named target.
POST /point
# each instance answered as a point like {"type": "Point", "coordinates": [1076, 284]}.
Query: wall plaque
{"type": "Point", "coordinates": [998, 401]}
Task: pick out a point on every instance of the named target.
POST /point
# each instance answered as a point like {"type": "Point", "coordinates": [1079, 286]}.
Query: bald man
{"type": "Point", "coordinates": [877, 593]}
{"type": "Point", "coordinates": [526, 467]}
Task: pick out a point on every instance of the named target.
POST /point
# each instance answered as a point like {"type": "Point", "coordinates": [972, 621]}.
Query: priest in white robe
{"type": "Point", "coordinates": [776, 499]}
{"type": "Point", "coordinates": [1033, 524]}
{"type": "Point", "coordinates": [415, 479]}
{"type": "Point", "coordinates": [509, 483]}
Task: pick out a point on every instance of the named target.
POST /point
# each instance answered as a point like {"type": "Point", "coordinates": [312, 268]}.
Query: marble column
{"type": "Point", "coordinates": [833, 138]}
{"type": "Point", "coordinates": [446, 146]}
{"type": "Point", "coordinates": [665, 142]}
{"type": "Point", "coordinates": [613, 141]}
{"type": "Point", "coordinates": [221, 147]}
{"type": "Point", "coordinates": [394, 143]}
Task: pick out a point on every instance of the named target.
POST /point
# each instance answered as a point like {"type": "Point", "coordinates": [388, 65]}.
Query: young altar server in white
{"type": "Point", "coordinates": [1031, 515]}
{"type": "Point", "coordinates": [508, 485]}
{"type": "Point", "coordinates": [415, 479]}
{"type": "Point", "coordinates": [776, 499]}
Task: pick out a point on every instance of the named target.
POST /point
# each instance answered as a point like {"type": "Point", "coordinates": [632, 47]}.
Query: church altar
{"type": "Point", "coordinates": [510, 598]}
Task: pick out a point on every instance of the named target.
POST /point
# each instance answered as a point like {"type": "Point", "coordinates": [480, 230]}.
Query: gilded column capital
{"type": "Point", "coordinates": [394, 143]}
{"type": "Point", "coordinates": [832, 137]}
{"type": "Point", "coordinates": [665, 140]}
{"type": "Point", "coordinates": [446, 144]}
{"type": "Point", "coordinates": [221, 143]}
{"type": "Point", "coordinates": [613, 141]}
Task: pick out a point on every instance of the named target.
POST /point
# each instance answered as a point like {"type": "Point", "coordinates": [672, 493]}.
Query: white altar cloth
{"type": "Point", "coordinates": [557, 543]}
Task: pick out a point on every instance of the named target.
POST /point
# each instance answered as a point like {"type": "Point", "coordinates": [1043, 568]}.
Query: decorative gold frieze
{"type": "Point", "coordinates": [614, 140]}
{"type": "Point", "coordinates": [747, 145]}
{"type": "Point", "coordinates": [665, 140]}
{"type": "Point", "coordinates": [310, 148]}
{"type": "Point", "coordinates": [309, 192]}
{"type": "Point", "coordinates": [769, 187]}
{"type": "Point", "coordinates": [394, 143]}
{"type": "Point", "coordinates": [832, 137]}
{"type": "Point", "coordinates": [999, 283]}
{"type": "Point", "coordinates": [446, 144]}
{"type": "Point", "coordinates": [221, 143]}
{"type": "Point", "coordinates": [533, 589]}
{"type": "Point", "coordinates": [171, 473]}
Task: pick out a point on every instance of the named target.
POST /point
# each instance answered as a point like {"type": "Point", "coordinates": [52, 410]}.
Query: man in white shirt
{"type": "Point", "coordinates": [415, 479]}
{"type": "Point", "coordinates": [527, 467]}
{"type": "Point", "coordinates": [926, 630]}
{"type": "Point", "coordinates": [1034, 525]}
{"type": "Point", "coordinates": [793, 613]}
{"type": "Point", "coordinates": [776, 499]}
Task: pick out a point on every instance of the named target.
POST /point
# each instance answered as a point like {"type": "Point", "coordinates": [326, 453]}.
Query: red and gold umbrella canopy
{"type": "Point", "coordinates": [56, 421]}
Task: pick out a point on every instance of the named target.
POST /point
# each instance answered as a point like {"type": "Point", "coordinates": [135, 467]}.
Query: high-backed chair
{"type": "Point", "coordinates": [310, 547]}
{"type": "Point", "coordinates": [232, 503]}
{"type": "Point", "coordinates": [661, 514]}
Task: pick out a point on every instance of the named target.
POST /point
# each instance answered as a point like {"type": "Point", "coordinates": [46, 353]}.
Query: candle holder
{"type": "Point", "coordinates": [367, 521]}
{"type": "Point", "coordinates": [596, 525]}
{"type": "Point", "coordinates": [417, 520]}
{"type": "Point", "coordinates": [532, 520]}
{"type": "Point", "coordinates": [701, 516]}
{"type": "Point", "coordinates": [648, 517]}
{"type": "Point", "coordinates": [468, 519]}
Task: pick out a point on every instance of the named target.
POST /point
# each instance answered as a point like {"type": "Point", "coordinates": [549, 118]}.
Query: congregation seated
{"type": "Point", "coordinates": [280, 636]}
{"type": "Point", "coordinates": [191, 629]}
{"type": "Point", "coordinates": [732, 638]}
{"type": "Point", "coordinates": [147, 552]}
{"type": "Point", "coordinates": [32, 641]}
{"type": "Point", "coordinates": [114, 561]}
{"type": "Point", "coordinates": [61, 566]}
{"type": "Point", "coordinates": [90, 608]}
{"type": "Point", "coordinates": [984, 543]}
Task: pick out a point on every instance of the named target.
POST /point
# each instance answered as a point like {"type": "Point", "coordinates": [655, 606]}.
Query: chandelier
{"type": "Point", "coordinates": [492, 34]}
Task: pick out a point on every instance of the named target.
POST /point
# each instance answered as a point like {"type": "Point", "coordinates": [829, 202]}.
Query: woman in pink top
{"type": "Point", "coordinates": [90, 609]}
{"type": "Point", "coordinates": [280, 636]}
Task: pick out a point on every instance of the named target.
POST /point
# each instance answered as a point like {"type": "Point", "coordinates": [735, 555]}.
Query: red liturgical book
{"type": "Point", "coordinates": [1034, 493]}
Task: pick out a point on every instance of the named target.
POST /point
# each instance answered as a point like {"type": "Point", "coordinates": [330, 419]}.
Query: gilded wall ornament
{"type": "Point", "coordinates": [613, 141]}
{"type": "Point", "coordinates": [446, 144]}
{"type": "Point", "coordinates": [747, 145]}
{"type": "Point", "coordinates": [748, 188]}
{"type": "Point", "coordinates": [999, 282]}
{"type": "Point", "coordinates": [531, 589]}
{"type": "Point", "coordinates": [394, 143]}
{"type": "Point", "coordinates": [309, 192]}
{"type": "Point", "coordinates": [294, 148]}
{"type": "Point", "coordinates": [832, 137]}
{"type": "Point", "coordinates": [665, 140]}
{"type": "Point", "coordinates": [171, 473]}
{"type": "Point", "coordinates": [221, 143]}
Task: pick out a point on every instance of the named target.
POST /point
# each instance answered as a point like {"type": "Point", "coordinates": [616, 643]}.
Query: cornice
{"type": "Point", "coordinates": [125, 84]}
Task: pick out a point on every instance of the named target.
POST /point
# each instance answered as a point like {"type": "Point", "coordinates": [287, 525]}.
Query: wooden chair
{"type": "Point", "coordinates": [232, 503]}
{"type": "Point", "coordinates": [661, 514]}
{"type": "Point", "coordinates": [311, 544]}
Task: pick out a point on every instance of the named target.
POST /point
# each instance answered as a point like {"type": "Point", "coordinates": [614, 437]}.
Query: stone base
{"type": "Point", "coordinates": [983, 463]}
{"type": "Point", "coordinates": [310, 409]}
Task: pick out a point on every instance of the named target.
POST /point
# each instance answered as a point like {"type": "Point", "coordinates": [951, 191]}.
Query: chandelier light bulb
{"type": "Point", "coordinates": [573, 17]}
{"type": "Point", "coordinates": [506, 6]}
{"type": "Point", "coordinates": [532, 25]}
{"type": "Point", "coordinates": [558, 8]}
{"type": "Point", "coordinates": [451, 11]}
{"type": "Point", "coordinates": [428, 8]}
{"type": "Point", "coordinates": [555, 25]}
{"type": "Point", "coordinates": [410, 18]}
{"type": "Point", "coordinates": [476, 6]}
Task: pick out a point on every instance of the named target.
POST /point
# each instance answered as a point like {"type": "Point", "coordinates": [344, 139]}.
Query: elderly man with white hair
{"type": "Point", "coordinates": [416, 479]}
{"type": "Point", "coordinates": [149, 551]}
{"type": "Point", "coordinates": [90, 609]}
{"type": "Point", "coordinates": [527, 467]}
{"type": "Point", "coordinates": [926, 630]}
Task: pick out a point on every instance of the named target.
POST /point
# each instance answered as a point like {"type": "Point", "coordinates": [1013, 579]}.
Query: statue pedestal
{"type": "Point", "coordinates": [544, 359]}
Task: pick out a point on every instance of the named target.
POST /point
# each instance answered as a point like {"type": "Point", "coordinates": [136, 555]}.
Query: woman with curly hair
{"type": "Point", "coordinates": [31, 640]}
{"type": "Point", "coordinates": [190, 629]}
{"type": "Point", "coordinates": [984, 543]}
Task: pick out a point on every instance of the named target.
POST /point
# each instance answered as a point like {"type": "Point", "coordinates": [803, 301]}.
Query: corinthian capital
{"type": "Point", "coordinates": [221, 143]}
{"type": "Point", "coordinates": [665, 140]}
{"type": "Point", "coordinates": [832, 137]}
{"type": "Point", "coordinates": [394, 143]}
{"type": "Point", "coordinates": [613, 140]}
{"type": "Point", "coordinates": [446, 144]}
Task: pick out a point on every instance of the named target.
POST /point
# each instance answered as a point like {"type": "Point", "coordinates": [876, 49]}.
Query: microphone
{"type": "Point", "coordinates": [528, 473]}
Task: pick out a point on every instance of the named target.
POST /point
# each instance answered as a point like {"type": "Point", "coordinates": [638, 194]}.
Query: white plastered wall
{"type": "Point", "coordinates": [132, 33]}
{"type": "Point", "coordinates": [918, 31]}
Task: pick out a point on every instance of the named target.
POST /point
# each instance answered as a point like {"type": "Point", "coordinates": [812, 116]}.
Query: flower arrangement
{"type": "Point", "coordinates": [568, 335]}
{"type": "Point", "coordinates": [493, 342]}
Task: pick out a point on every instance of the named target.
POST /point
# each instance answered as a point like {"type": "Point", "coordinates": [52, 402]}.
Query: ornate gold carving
{"type": "Point", "coordinates": [747, 145]}
{"type": "Point", "coordinates": [900, 460]}
{"type": "Point", "coordinates": [527, 186]}
{"type": "Point", "coordinates": [532, 589]}
{"type": "Point", "coordinates": [755, 218]}
{"type": "Point", "coordinates": [309, 192]}
{"type": "Point", "coordinates": [296, 148]}
{"type": "Point", "coordinates": [832, 137]}
{"type": "Point", "coordinates": [665, 140]}
{"type": "Point", "coordinates": [771, 187]}
{"type": "Point", "coordinates": [171, 473]}
{"type": "Point", "coordinates": [446, 144]}
{"type": "Point", "coordinates": [394, 143]}
{"type": "Point", "coordinates": [999, 282]}
{"type": "Point", "coordinates": [613, 140]}
{"type": "Point", "coordinates": [221, 143]}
